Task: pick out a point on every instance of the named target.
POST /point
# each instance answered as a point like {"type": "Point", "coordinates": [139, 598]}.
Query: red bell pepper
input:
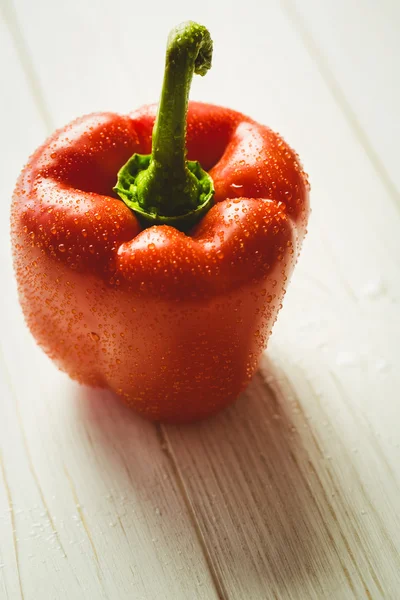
{"type": "Point", "coordinates": [169, 296]}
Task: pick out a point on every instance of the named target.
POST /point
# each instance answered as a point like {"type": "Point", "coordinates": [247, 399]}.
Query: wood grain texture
{"type": "Point", "coordinates": [280, 497]}
{"type": "Point", "coordinates": [355, 46]}
{"type": "Point", "coordinates": [294, 492]}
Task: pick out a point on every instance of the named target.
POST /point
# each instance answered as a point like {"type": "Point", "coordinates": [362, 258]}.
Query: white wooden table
{"type": "Point", "coordinates": [294, 492]}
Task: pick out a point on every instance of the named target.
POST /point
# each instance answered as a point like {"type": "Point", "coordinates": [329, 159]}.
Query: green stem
{"type": "Point", "coordinates": [164, 187]}
{"type": "Point", "coordinates": [189, 48]}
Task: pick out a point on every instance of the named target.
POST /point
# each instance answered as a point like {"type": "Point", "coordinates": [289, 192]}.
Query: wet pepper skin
{"type": "Point", "coordinates": [173, 323]}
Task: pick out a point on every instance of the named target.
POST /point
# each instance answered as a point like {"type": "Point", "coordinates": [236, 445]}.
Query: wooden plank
{"type": "Point", "coordinates": [89, 506]}
{"type": "Point", "coordinates": [287, 496]}
{"type": "Point", "coordinates": [356, 47]}
{"type": "Point", "coordinates": [92, 499]}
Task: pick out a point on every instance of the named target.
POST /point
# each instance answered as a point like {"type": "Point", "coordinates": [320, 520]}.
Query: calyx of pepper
{"type": "Point", "coordinates": [163, 188]}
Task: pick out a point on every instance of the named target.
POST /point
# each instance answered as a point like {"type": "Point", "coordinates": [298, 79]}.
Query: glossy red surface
{"type": "Point", "coordinates": [175, 324]}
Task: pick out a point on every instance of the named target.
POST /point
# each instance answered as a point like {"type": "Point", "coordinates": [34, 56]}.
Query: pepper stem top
{"type": "Point", "coordinates": [165, 188]}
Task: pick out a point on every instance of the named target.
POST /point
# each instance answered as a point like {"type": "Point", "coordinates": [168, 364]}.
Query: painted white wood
{"type": "Point", "coordinates": [294, 491]}
{"type": "Point", "coordinates": [293, 496]}
{"type": "Point", "coordinates": [356, 47]}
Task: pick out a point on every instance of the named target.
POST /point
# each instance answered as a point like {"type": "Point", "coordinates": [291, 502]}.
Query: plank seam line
{"type": "Point", "coordinates": [81, 514]}
{"type": "Point", "coordinates": [339, 97]}
{"type": "Point", "coordinates": [10, 18]}
{"type": "Point", "coordinates": [12, 514]}
{"type": "Point", "coordinates": [166, 448]}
